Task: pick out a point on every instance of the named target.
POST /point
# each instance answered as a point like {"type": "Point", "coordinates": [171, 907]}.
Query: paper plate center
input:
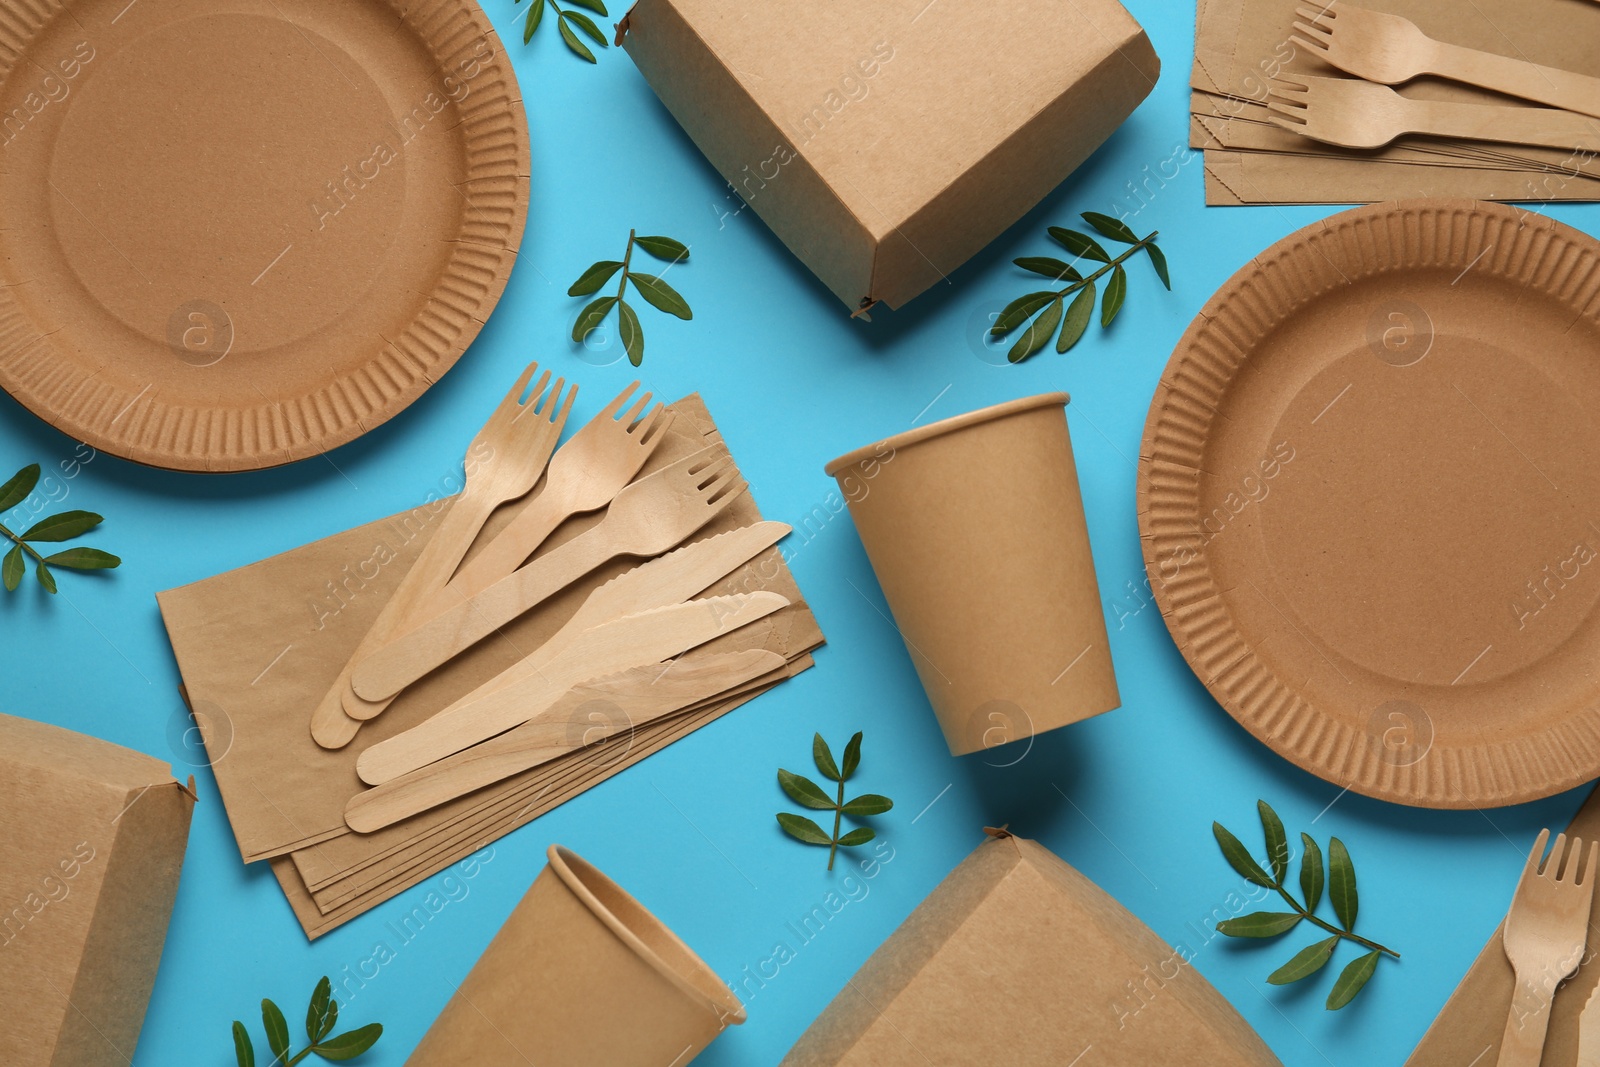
{"type": "Point", "coordinates": [227, 172]}
{"type": "Point", "coordinates": [1435, 526]}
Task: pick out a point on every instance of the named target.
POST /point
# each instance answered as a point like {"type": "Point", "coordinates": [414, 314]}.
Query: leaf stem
{"type": "Point", "coordinates": [627, 258]}
{"type": "Point", "coordinates": [1357, 938]}
{"type": "Point", "coordinates": [838, 813]}
{"type": "Point", "coordinates": [1097, 275]}
{"type": "Point", "coordinates": [29, 549]}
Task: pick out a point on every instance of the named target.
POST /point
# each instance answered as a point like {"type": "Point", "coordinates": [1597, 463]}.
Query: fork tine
{"type": "Point", "coordinates": [1290, 89]}
{"type": "Point", "coordinates": [559, 417]}
{"type": "Point", "coordinates": [1316, 31]}
{"type": "Point", "coordinates": [1552, 862]}
{"type": "Point", "coordinates": [1588, 869]}
{"type": "Point", "coordinates": [658, 428]}
{"type": "Point", "coordinates": [514, 397]}
{"type": "Point", "coordinates": [1314, 47]}
{"type": "Point", "coordinates": [726, 491]}
{"type": "Point", "coordinates": [611, 409]}
{"type": "Point", "coordinates": [1571, 862]}
{"type": "Point", "coordinates": [1536, 854]}
{"type": "Point", "coordinates": [641, 428]}
{"type": "Point", "coordinates": [538, 398]}
{"type": "Point", "coordinates": [705, 474]}
{"type": "Point", "coordinates": [1292, 110]}
{"type": "Point", "coordinates": [1313, 14]}
{"type": "Point", "coordinates": [633, 413]}
{"type": "Point", "coordinates": [1287, 124]}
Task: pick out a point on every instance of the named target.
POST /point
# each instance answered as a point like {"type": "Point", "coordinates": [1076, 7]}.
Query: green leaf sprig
{"type": "Point", "coordinates": [1340, 879]}
{"type": "Point", "coordinates": [566, 18]}
{"type": "Point", "coordinates": [1066, 322]}
{"type": "Point", "coordinates": [655, 291]}
{"type": "Point", "coordinates": [50, 530]}
{"type": "Point", "coordinates": [321, 1017]}
{"type": "Point", "coordinates": [807, 793]}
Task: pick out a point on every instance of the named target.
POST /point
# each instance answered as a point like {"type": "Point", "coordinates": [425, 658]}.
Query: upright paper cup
{"type": "Point", "coordinates": [581, 975]}
{"type": "Point", "coordinates": [975, 529]}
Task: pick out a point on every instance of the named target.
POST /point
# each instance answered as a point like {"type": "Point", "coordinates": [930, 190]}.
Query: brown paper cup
{"type": "Point", "coordinates": [581, 974]}
{"type": "Point", "coordinates": [975, 529]}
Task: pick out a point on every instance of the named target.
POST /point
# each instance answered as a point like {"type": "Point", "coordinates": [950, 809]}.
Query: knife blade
{"type": "Point", "coordinates": [669, 579]}
{"type": "Point", "coordinates": [632, 641]}
{"type": "Point", "coordinates": [1589, 1031]}
{"type": "Point", "coordinates": [589, 712]}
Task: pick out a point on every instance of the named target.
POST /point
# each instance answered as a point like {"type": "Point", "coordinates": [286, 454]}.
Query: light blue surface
{"type": "Point", "coordinates": [1127, 798]}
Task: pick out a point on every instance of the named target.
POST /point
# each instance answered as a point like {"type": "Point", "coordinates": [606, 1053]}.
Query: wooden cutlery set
{"type": "Point", "coordinates": [1342, 103]}
{"type": "Point", "coordinates": [569, 612]}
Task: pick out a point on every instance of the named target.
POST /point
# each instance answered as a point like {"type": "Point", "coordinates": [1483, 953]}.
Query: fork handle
{"type": "Point", "coordinates": [1511, 125]}
{"type": "Point", "coordinates": [1522, 1045]}
{"type": "Point", "coordinates": [1518, 77]}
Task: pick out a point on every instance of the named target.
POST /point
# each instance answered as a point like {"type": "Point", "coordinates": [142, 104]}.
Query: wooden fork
{"type": "Point", "coordinates": [1545, 934]}
{"type": "Point", "coordinates": [653, 515]}
{"type": "Point", "coordinates": [1389, 49]}
{"type": "Point", "coordinates": [515, 444]}
{"type": "Point", "coordinates": [1361, 114]}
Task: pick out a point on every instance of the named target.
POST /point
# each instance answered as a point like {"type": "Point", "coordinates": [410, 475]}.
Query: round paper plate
{"type": "Point", "coordinates": [1369, 502]}
{"type": "Point", "coordinates": [242, 232]}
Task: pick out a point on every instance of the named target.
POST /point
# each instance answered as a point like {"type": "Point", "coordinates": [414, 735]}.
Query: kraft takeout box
{"type": "Point", "coordinates": [1018, 959]}
{"type": "Point", "coordinates": [581, 974]}
{"type": "Point", "coordinates": [93, 843]}
{"type": "Point", "coordinates": [976, 532]}
{"type": "Point", "coordinates": [886, 143]}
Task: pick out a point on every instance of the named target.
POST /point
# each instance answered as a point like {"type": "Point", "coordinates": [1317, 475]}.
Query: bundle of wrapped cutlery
{"type": "Point", "coordinates": [469, 665]}
{"type": "Point", "coordinates": [1302, 101]}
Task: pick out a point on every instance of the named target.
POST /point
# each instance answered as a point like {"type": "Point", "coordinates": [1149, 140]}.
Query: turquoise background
{"type": "Point", "coordinates": [1127, 798]}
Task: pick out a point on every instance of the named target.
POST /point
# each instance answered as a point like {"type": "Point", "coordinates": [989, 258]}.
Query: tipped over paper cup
{"type": "Point", "coordinates": [975, 529]}
{"type": "Point", "coordinates": [581, 974]}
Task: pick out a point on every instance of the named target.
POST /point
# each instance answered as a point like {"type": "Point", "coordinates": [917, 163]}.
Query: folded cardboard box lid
{"type": "Point", "coordinates": [887, 142]}
{"type": "Point", "coordinates": [1018, 959]}
{"type": "Point", "coordinates": [89, 862]}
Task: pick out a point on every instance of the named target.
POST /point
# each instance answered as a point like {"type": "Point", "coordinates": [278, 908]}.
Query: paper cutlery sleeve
{"type": "Point", "coordinates": [976, 532]}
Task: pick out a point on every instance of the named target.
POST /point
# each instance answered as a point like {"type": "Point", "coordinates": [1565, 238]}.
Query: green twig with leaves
{"type": "Point", "coordinates": [1341, 885]}
{"type": "Point", "coordinates": [655, 291]}
{"type": "Point", "coordinates": [566, 18]}
{"type": "Point", "coordinates": [807, 793]}
{"type": "Point", "coordinates": [321, 1017]}
{"type": "Point", "coordinates": [1068, 322]}
{"type": "Point", "coordinates": [50, 530]}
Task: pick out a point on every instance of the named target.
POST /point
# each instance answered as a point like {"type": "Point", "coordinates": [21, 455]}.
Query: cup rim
{"type": "Point", "coordinates": [945, 426]}
{"type": "Point", "coordinates": [577, 873]}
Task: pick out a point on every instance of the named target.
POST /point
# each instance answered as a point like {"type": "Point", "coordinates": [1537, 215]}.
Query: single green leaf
{"type": "Point", "coordinates": [663, 296]}
{"type": "Point", "coordinates": [1076, 321]}
{"type": "Point", "coordinates": [1079, 244]}
{"type": "Point", "coordinates": [1158, 260]}
{"type": "Point", "coordinates": [63, 527]}
{"type": "Point", "coordinates": [586, 24]}
{"type": "Point", "coordinates": [857, 837]}
{"type": "Point", "coordinates": [803, 829]}
{"type": "Point", "coordinates": [1351, 979]}
{"type": "Point", "coordinates": [46, 579]}
{"type": "Point", "coordinates": [1050, 267]}
{"type": "Point", "coordinates": [242, 1046]}
{"type": "Point", "coordinates": [1342, 884]}
{"type": "Point", "coordinates": [1116, 293]}
{"type": "Point", "coordinates": [593, 5]}
{"type": "Point", "coordinates": [1038, 334]}
{"type": "Point", "coordinates": [852, 757]}
{"type": "Point", "coordinates": [664, 248]}
{"type": "Point", "coordinates": [349, 1046]}
{"type": "Point", "coordinates": [1311, 872]}
{"type": "Point", "coordinates": [84, 559]}
{"type": "Point", "coordinates": [868, 804]}
{"type": "Point", "coordinates": [535, 13]}
{"type": "Point", "coordinates": [631, 332]}
{"type": "Point", "coordinates": [1115, 229]}
{"type": "Point", "coordinates": [332, 1019]}
{"type": "Point", "coordinates": [1019, 311]}
{"type": "Point", "coordinates": [804, 791]}
{"type": "Point", "coordinates": [592, 279]}
{"type": "Point", "coordinates": [591, 316]}
{"type": "Point", "coordinates": [1259, 924]}
{"type": "Point", "coordinates": [1239, 857]}
{"type": "Point", "coordinates": [577, 46]}
{"type": "Point", "coordinates": [14, 568]}
{"type": "Point", "coordinates": [277, 1032]}
{"type": "Point", "coordinates": [823, 755]}
{"type": "Point", "coordinates": [1277, 842]}
{"type": "Point", "coordinates": [18, 488]}
{"type": "Point", "coordinates": [1305, 963]}
{"type": "Point", "coordinates": [317, 1011]}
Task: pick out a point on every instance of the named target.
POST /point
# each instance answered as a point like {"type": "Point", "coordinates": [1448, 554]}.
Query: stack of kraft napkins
{"type": "Point", "coordinates": [1241, 46]}
{"type": "Point", "coordinates": [258, 648]}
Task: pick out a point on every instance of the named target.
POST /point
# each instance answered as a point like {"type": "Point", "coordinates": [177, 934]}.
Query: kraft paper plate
{"type": "Point", "coordinates": [243, 232]}
{"type": "Point", "coordinates": [1370, 503]}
